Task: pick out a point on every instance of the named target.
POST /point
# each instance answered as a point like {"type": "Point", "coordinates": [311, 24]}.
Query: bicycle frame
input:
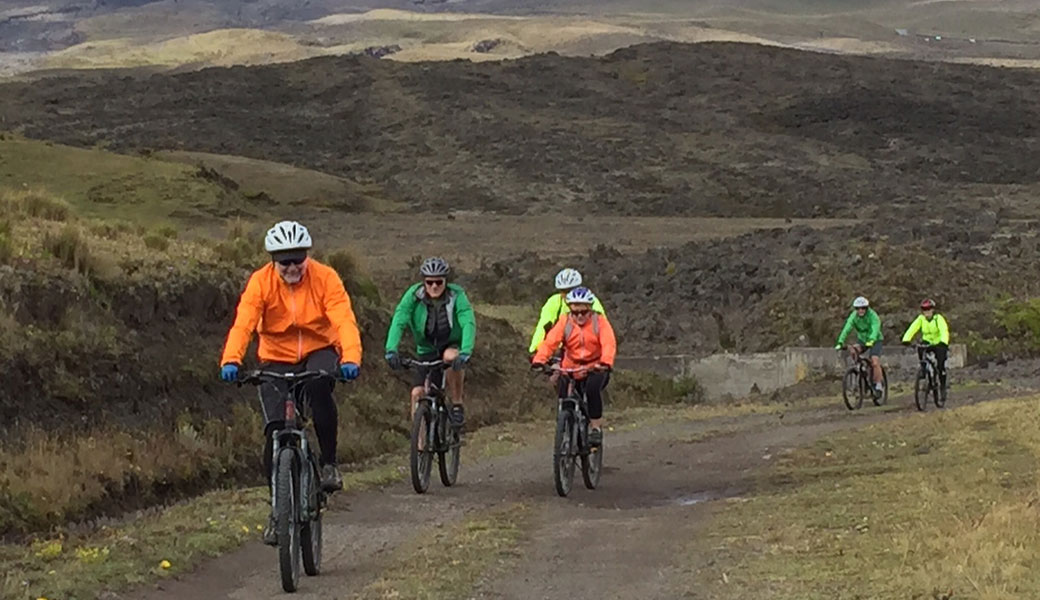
{"type": "Point", "coordinates": [293, 434]}
{"type": "Point", "coordinates": [929, 363]}
{"type": "Point", "coordinates": [433, 394]}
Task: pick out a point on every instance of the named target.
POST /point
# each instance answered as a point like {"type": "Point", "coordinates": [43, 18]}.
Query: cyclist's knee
{"type": "Point", "coordinates": [450, 354]}
{"type": "Point", "coordinates": [417, 393]}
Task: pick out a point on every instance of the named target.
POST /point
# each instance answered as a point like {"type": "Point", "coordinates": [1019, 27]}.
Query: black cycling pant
{"type": "Point", "coordinates": [594, 385]}
{"type": "Point", "coordinates": [322, 406]}
{"type": "Point", "coordinates": [941, 352]}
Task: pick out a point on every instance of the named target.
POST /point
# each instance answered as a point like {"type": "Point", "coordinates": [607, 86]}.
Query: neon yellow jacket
{"type": "Point", "coordinates": [934, 331]}
{"type": "Point", "coordinates": [554, 308]}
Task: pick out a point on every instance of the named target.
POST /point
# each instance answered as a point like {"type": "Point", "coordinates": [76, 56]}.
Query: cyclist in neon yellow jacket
{"type": "Point", "coordinates": [555, 307]}
{"type": "Point", "coordinates": [936, 333]}
{"type": "Point", "coordinates": [867, 324]}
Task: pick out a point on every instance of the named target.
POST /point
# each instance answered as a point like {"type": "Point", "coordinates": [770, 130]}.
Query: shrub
{"type": "Point", "coordinates": [168, 231]}
{"type": "Point", "coordinates": [156, 241]}
{"type": "Point", "coordinates": [6, 243]}
{"type": "Point", "coordinates": [1021, 319]}
{"type": "Point", "coordinates": [349, 268]}
{"type": "Point", "coordinates": [70, 247]}
{"type": "Point", "coordinates": [40, 205]}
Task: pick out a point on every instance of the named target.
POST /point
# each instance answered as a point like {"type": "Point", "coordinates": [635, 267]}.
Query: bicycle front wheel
{"type": "Point", "coordinates": [287, 495]}
{"type": "Point", "coordinates": [422, 454]}
{"type": "Point", "coordinates": [563, 453]}
{"type": "Point", "coordinates": [921, 389]}
{"type": "Point", "coordinates": [850, 391]}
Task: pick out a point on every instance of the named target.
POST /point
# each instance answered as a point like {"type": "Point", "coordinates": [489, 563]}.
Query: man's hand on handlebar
{"type": "Point", "coordinates": [229, 373]}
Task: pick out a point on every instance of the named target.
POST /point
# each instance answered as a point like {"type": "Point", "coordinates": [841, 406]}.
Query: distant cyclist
{"type": "Point", "coordinates": [443, 326]}
{"type": "Point", "coordinates": [555, 307]}
{"type": "Point", "coordinates": [305, 322]}
{"type": "Point", "coordinates": [588, 341]}
{"type": "Point", "coordinates": [936, 332]}
{"type": "Point", "coordinates": [867, 324]}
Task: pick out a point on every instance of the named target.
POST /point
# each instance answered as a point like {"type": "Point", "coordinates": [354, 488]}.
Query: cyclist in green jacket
{"type": "Point", "coordinates": [867, 324]}
{"type": "Point", "coordinates": [936, 333]}
{"type": "Point", "coordinates": [442, 323]}
{"type": "Point", "coordinates": [555, 307]}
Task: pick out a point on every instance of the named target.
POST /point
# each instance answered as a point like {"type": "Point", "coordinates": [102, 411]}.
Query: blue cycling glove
{"type": "Point", "coordinates": [349, 371]}
{"type": "Point", "coordinates": [460, 362]}
{"type": "Point", "coordinates": [393, 360]}
{"type": "Point", "coordinates": [229, 372]}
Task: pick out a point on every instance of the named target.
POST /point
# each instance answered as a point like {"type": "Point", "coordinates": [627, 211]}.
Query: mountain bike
{"type": "Point", "coordinates": [432, 432]}
{"type": "Point", "coordinates": [297, 498]}
{"type": "Point", "coordinates": [572, 435]}
{"type": "Point", "coordinates": [927, 382]}
{"type": "Point", "coordinates": [858, 382]}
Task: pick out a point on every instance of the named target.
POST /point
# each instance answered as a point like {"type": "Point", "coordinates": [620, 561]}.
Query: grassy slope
{"type": "Point", "coordinates": [929, 506]}
{"type": "Point", "coordinates": [115, 186]}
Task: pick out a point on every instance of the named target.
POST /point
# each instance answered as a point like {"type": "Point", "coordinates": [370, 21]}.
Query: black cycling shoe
{"type": "Point", "coordinates": [331, 480]}
{"type": "Point", "coordinates": [595, 438]}
{"type": "Point", "coordinates": [271, 533]}
{"type": "Point", "coordinates": [458, 417]}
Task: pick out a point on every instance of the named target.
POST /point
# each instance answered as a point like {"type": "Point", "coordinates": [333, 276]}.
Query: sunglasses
{"type": "Point", "coordinates": [434, 282]}
{"type": "Point", "coordinates": [288, 262]}
{"type": "Point", "coordinates": [580, 313]}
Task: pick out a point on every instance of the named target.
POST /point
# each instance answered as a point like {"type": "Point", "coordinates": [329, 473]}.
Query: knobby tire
{"type": "Point", "coordinates": [421, 460]}
{"type": "Point", "coordinates": [288, 500]}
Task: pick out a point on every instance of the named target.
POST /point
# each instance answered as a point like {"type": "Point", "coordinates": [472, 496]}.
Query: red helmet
{"type": "Point", "coordinates": [927, 304]}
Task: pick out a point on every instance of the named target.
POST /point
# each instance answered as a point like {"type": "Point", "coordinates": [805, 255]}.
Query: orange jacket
{"type": "Point", "coordinates": [585, 345]}
{"type": "Point", "coordinates": [294, 321]}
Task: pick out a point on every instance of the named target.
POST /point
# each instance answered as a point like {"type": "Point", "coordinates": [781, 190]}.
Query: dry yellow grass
{"type": "Point", "coordinates": [223, 47]}
{"type": "Point", "coordinates": [921, 507]}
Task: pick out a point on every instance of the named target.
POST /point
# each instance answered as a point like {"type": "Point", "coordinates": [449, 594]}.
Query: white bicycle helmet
{"type": "Point", "coordinates": [860, 302]}
{"type": "Point", "coordinates": [568, 279]}
{"type": "Point", "coordinates": [287, 235]}
{"type": "Point", "coordinates": [580, 295]}
{"type": "Point", "coordinates": [434, 267]}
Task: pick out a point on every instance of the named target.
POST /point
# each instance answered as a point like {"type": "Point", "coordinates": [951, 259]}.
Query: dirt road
{"type": "Point", "coordinates": [623, 540]}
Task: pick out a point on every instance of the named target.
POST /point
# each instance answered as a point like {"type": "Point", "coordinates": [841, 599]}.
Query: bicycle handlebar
{"type": "Point", "coordinates": [555, 367]}
{"type": "Point", "coordinates": [259, 376]}
{"type": "Point", "coordinates": [424, 364]}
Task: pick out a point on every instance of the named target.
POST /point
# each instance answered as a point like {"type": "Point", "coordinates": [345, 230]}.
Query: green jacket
{"type": "Point", "coordinates": [553, 309]}
{"type": "Point", "coordinates": [411, 313]}
{"type": "Point", "coordinates": [868, 328]}
{"type": "Point", "coordinates": [934, 331]}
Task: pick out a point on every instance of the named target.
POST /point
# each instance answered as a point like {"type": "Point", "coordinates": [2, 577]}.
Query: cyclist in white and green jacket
{"type": "Point", "coordinates": [442, 323]}
{"type": "Point", "coordinates": [555, 307]}
{"type": "Point", "coordinates": [867, 324]}
{"type": "Point", "coordinates": [936, 333]}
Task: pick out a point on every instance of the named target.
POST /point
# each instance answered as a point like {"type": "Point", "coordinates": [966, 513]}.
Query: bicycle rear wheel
{"type": "Point", "coordinates": [592, 466]}
{"type": "Point", "coordinates": [883, 398]}
{"type": "Point", "coordinates": [422, 454]}
{"type": "Point", "coordinates": [310, 542]}
{"type": "Point", "coordinates": [921, 389]}
{"type": "Point", "coordinates": [850, 391]}
{"type": "Point", "coordinates": [448, 457]}
{"type": "Point", "coordinates": [287, 494]}
{"type": "Point", "coordinates": [563, 453]}
{"type": "Point", "coordinates": [310, 531]}
{"type": "Point", "coordinates": [936, 391]}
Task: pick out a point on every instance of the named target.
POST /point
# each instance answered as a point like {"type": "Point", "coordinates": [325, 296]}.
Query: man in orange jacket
{"type": "Point", "coordinates": [303, 315]}
{"type": "Point", "coordinates": [589, 345]}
